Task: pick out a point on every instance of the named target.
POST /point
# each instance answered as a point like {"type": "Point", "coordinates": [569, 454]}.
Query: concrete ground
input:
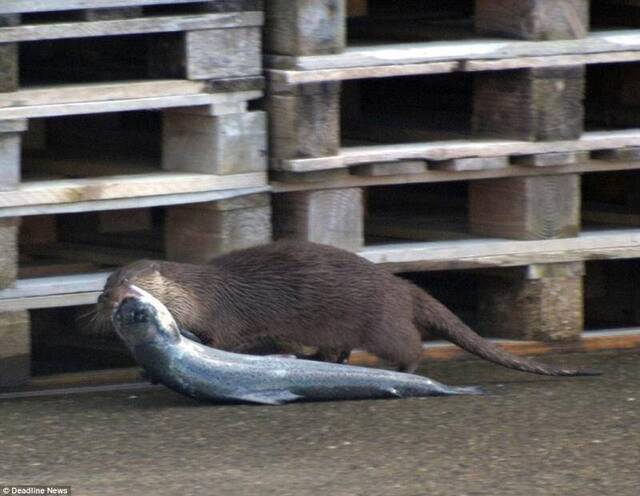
{"type": "Point", "coordinates": [532, 436]}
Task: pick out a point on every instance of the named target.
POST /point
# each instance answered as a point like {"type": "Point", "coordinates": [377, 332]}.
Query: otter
{"type": "Point", "coordinates": [308, 294]}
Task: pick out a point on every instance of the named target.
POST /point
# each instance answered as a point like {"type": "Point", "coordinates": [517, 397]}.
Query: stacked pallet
{"type": "Point", "coordinates": [110, 109]}
{"type": "Point", "coordinates": [490, 95]}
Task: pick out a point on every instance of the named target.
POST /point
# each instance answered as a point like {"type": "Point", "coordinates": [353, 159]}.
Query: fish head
{"type": "Point", "coordinates": [142, 319]}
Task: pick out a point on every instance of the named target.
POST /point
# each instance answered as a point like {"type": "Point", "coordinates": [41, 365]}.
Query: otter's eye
{"type": "Point", "coordinates": [139, 317]}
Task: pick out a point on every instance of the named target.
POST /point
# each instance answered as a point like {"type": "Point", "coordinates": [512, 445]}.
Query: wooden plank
{"type": "Point", "coordinates": [35, 32]}
{"type": "Point", "coordinates": [24, 7]}
{"type": "Point", "coordinates": [597, 42]}
{"type": "Point", "coordinates": [9, 160]}
{"type": "Point", "coordinates": [125, 186]}
{"type": "Point", "coordinates": [494, 253]}
{"type": "Point", "coordinates": [390, 168]}
{"type": "Point", "coordinates": [450, 149]}
{"type": "Point", "coordinates": [471, 163]}
{"type": "Point", "coordinates": [526, 207]}
{"type": "Point", "coordinates": [533, 19]}
{"type": "Point", "coordinates": [283, 182]}
{"type": "Point", "coordinates": [625, 339]}
{"type": "Point", "coordinates": [333, 217]}
{"type": "Point", "coordinates": [550, 159]}
{"type": "Point", "coordinates": [96, 92]}
{"type": "Point", "coordinates": [122, 203]}
{"type": "Point", "coordinates": [122, 105]}
{"type": "Point", "coordinates": [283, 78]}
{"type": "Point", "coordinates": [49, 301]}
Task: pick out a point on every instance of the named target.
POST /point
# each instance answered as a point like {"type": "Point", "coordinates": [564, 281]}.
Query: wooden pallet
{"type": "Point", "coordinates": [42, 47]}
{"type": "Point", "coordinates": [509, 110]}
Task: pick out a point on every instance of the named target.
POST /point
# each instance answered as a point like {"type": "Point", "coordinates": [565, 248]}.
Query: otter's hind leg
{"type": "Point", "coordinates": [399, 343]}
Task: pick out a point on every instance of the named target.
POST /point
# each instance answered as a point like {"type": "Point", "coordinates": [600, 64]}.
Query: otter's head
{"type": "Point", "coordinates": [157, 278]}
{"type": "Point", "coordinates": [140, 319]}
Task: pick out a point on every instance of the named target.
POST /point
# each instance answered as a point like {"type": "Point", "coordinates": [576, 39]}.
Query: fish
{"type": "Point", "coordinates": [151, 334]}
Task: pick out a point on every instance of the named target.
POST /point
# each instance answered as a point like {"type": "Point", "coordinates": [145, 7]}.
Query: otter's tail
{"type": "Point", "coordinates": [433, 317]}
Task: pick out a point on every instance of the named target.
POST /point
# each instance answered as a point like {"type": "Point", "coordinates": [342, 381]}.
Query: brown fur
{"type": "Point", "coordinates": [308, 294]}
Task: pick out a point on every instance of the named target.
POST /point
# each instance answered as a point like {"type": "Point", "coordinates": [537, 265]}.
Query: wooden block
{"type": "Point", "coordinates": [198, 232]}
{"type": "Point", "coordinates": [223, 53]}
{"type": "Point", "coordinates": [304, 27]}
{"type": "Point", "coordinates": [549, 159]}
{"type": "Point", "coordinates": [539, 207]}
{"type": "Point", "coordinates": [332, 217]}
{"type": "Point", "coordinates": [128, 220]}
{"type": "Point", "coordinates": [15, 349]}
{"type": "Point", "coordinates": [207, 54]}
{"type": "Point", "coordinates": [533, 19]}
{"type": "Point", "coordinates": [305, 123]}
{"type": "Point", "coordinates": [530, 104]}
{"type": "Point", "coordinates": [9, 160]}
{"type": "Point", "coordinates": [310, 177]}
{"type": "Point", "coordinates": [8, 251]}
{"type": "Point", "coordinates": [546, 309]}
{"type": "Point", "coordinates": [223, 144]}
{"type": "Point", "coordinates": [471, 163]}
{"type": "Point", "coordinates": [9, 57]}
{"type": "Point", "coordinates": [390, 168]}
{"type": "Point", "coordinates": [618, 154]}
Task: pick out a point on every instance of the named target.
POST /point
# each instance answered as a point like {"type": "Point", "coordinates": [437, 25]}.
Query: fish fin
{"type": "Point", "coordinates": [268, 396]}
{"type": "Point", "coordinates": [394, 392]}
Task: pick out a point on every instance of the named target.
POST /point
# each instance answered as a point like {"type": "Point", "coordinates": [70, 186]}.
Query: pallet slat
{"type": "Point", "coordinates": [30, 6]}
{"type": "Point", "coordinates": [35, 32]}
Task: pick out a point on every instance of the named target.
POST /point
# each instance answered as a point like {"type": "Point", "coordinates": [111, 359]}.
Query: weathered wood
{"type": "Point", "coordinates": [545, 309]}
{"type": "Point", "coordinates": [533, 19]}
{"type": "Point", "coordinates": [494, 253]}
{"type": "Point", "coordinates": [623, 154]}
{"type": "Point", "coordinates": [604, 43]}
{"type": "Point", "coordinates": [333, 217]}
{"type": "Point", "coordinates": [169, 24]}
{"type": "Point", "coordinates": [207, 54]}
{"type": "Point", "coordinates": [526, 207]}
{"type": "Point", "coordinates": [197, 233]}
{"type": "Point", "coordinates": [95, 92]}
{"type": "Point", "coordinates": [304, 27]}
{"type": "Point", "coordinates": [550, 159]}
{"type": "Point", "coordinates": [105, 104]}
{"type": "Point", "coordinates": [451, 149]}
{"type": "Point", "coordinates": [471, 163]}
{"type": "Point", "coordinates": [20, 6]}
{"type": "Point", "coordinates": [8, 251]}
{"type": "Point", "coordinates": [529, 104]}
{"type": "Point", "coordinates": [128, 186]}
{"type": "Point", "coordinates": [224, 144]}
{"type": "Point", "coordinates": [8, 57]}
{"type": "Point", "coordinates": [15, 349]}
{"type": "Point", "coordinates": [305, 123]}
{"type": "Point", "coordinates": [390, 168]}
{"type": "Point", "coordinates": [9, 160]}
